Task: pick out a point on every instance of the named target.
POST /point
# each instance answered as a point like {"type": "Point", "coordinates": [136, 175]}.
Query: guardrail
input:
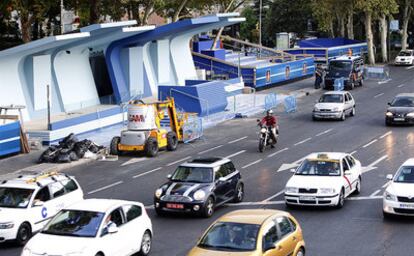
{"type": "Point", "coordinates": [379, 72]}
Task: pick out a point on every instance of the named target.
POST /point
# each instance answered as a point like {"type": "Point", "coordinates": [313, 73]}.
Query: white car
{"type": "Point", "coordinates": [334, 105]}
{"type": "Point", "coordinates": [399, 194]}
{"type": "Point", "coordinates": [324, 179]}
{"type": "Point", "coordinates": [95, 227]}
{"type": "Point", "coordinates": [405, 57]}
{"type": "Point", "coordinates": [27, 202]}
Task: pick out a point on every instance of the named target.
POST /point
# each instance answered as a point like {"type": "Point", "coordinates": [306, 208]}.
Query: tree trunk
{"type": "Point", "coordinates": [350, 25]}
{"type": "Point", "coordinates": [331, 29]}
{"type": "Point", "coordinates": [384, 30]}
{"type": "Point", "coordinates": [218, 35]}
{"type": "Point", "coordinates": [93, 11]}
{"type": "Point", "coordinates": [341, 24]}
{"type": "Point", "coordinates": [178, 11]}
{"type": "Point", "coordinates": [370, 38]}
{"type": "Point", "coordinates": [26, 27]}
{"type": "Point", "coordinates": [406, 19]}
{"type": "Point", "coordinates": [147, 13]}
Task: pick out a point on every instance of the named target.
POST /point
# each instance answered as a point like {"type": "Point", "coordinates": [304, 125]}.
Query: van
{"type": "Point", "coordinates": [350, 68]}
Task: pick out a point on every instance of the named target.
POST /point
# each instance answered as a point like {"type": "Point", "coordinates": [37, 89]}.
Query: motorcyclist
{"type": "Point", "coordinates": [271, 122]}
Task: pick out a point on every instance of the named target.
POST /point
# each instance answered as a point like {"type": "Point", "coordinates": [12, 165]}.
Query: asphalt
{"type": "Point", "coordinates": [356, 229]}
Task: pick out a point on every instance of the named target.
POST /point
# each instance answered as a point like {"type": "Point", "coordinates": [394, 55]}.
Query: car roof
{"type": "Point", "coordinates": [31, 180]}
{"type": "Point", "coordinates": [345, 57]}
{"type": "Point", "coordinates": [335, 92]}
{"type": "Point", "coordinates": [406, 94]}
{"type": "Point", "coordinates": [330, 155]}
{"type": "Point", "coordinates": [98, 205]}
{"type": "Point", "coordinates": [210, 162]}
{"type": "Point", "coordinates": [409, 162]}
{"type": "Point", "coordinates": [251, 216]}
{"type": "Point", "coordinates": [407, 50]}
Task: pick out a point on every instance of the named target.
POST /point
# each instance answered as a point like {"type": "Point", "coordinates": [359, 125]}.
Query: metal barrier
{"type": "Point", "coordinates": [290, 104]}
{"type": "Point", "coordinates": [270, 101]}
{"type": "Point", "coordinates": [377, 72]}
{"type": "Point", "coordinates": [192, 128]}
{"type": "Point", "coordinates": [339, 84]}
{"type": "Point", "coordinates": [10, 138]}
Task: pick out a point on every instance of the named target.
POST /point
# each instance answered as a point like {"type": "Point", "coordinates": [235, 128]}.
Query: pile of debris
{"type": "Point", "coordinates": [70, 149]}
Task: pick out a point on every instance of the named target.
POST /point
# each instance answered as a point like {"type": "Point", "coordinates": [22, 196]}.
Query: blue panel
{"type": "Point", "coordinates": [194, 82]}
{"type": "Point", "coordinates": [7, 132]}
{"type": "Point", "coordinates": [327, 42]}
{"type": "Point", "coordinates": [219, 54]}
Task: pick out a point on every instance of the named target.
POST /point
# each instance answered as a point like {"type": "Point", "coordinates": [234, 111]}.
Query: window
{"type": "Point", "coordinates": [230, 167]}
{"type": "Point", "coordinates": [221, 172]}
{"type": "Point", "coordinates": [69, 185]}
{"type": "Point", "coordinates": [346, 97]}
{"type": "Point", "coordinates": [293, 224]}
{"type": "Point", "coordinates": [345, 165]}
{"type": "Point", "coordinates": [285, 226]}
{"type": "Point", "coordinates": [43, 195]}
{"type": "Point", "coordinates": [270, 236]}
{"type": "Point", "coordinates": [56, 189]}
{"type": "Point", "coordinates": [351, 161]}
{"type": "Point", "coordinates": [349, 96]}
{"type": "Point", "coordinates": [132, 212]}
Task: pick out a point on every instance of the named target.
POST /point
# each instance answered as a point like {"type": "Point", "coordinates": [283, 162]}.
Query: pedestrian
{"type": "Point", "coordinates": [318, 76]}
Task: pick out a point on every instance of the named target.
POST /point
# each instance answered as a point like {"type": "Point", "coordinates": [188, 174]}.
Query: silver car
{"type": "Point", "coordinates": [334, 105]}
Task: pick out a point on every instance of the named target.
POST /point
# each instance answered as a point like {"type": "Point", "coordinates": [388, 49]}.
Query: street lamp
{"type": "Point", "coordinates": [260, 28]}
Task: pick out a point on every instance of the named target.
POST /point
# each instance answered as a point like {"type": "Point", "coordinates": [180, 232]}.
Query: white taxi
{"type": "Point", "coordinates": [334, 105]}
{"type": "Point", "coordinates": [27, 202]}
{"type": "Point", "coordinates": [324, 179]}
{"type": "Point", "coordinates": [95, 227]}
{"type": "Point", "coordinates": [399, 194]}
{"type": "Point", "coordinates": [405, 57]}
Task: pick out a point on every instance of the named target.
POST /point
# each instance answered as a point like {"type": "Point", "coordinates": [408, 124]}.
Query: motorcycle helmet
{"type": "Point", "coordinates": [269, 112]}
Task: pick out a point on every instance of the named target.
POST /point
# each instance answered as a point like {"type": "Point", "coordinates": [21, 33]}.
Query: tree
{"type": "Point", "coordinates": [408, 7]}
{"type": "Point", "coordinates": [323, 12]}
{"type": "Point", "coordinates": [247, 27]}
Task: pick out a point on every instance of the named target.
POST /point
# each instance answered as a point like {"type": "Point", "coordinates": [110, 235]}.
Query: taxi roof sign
{"type": "Point", "coordinates": [323, 156]}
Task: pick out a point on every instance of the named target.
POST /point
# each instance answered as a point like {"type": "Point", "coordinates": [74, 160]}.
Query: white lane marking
{"type": "Point", "coordinates": [211, 149]}
{"type": "Point", "coordinates": [274, 196]}
{"type": "Point", "coordinates": [385, 81]}
{"type": "Point", "coordinates": [239, 139]}
{"type": "Point", "coordinates": [386, 134]}
{"type": "Point", "coordinates": [378, 95]}
{"type": "Point", "coordinates": [105, 187]}
{"type": "Point", "coordinates": [372, 166]}
{"type": "Point", "coordinates": [235, 154]}
{"type": "Point", "coordinates": [256, 203]}
{"type": "Point", "coordinates": [181, 160]}
{"type": "Point", "coordinates": [255, 162]}
{"type": "Point", "coordinates": [370, 143]}
{"type": "Point", "coordinates": [410, 67]}
{"type": "Point", "coordinates": [145, 173]}
{"type": "Point", "coordinates": [301, 142]}
{"type": "Point", "coordinates": [134, 160]}
{"type": "Point", "coordinates": [401, 85]}
{"type": "Point", "coordinates": [386, 184]}
{"type": "Point", "coordinates": [277, 152]}
{"type": "Point", "coordinates": [364, 198]}
{"type": "Point", "coordinates": [375, 193]}
{"type": "Point", "coordinates": [324, 132]}
{"type": "Point", "coordinates": [353, 152]}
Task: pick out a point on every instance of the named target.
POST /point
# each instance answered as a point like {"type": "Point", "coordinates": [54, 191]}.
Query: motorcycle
{"type": "Point", "coordinates": [265, 137]}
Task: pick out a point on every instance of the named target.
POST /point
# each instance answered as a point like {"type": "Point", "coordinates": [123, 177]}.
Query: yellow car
{"type": "Point", "coordinates": [252, 233]}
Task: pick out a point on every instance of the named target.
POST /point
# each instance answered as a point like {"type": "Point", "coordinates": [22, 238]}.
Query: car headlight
{"type": "Point", "coordinates": [410, 114]}
{"type": "Point", "coordinates": [199, 195]}
{"type": "Point", "coordinates": [336, 109]}
{"type": "Point", "coordinates": [26, 252]}
{"type": "Point", "coordinates": [315, 109]}
{"type": "Point", "coordinates": [6, 225]}
{"type": "Point", "coordinates": [326, 190]}
{"type": "Point", "coordinates": [158, 193]}
{"type": "Point", "coordinates": [389, 114]}
{"type": "Point", "coordinates": [390, 196]}
{"type": "Point", "coordinates": [292, 190]}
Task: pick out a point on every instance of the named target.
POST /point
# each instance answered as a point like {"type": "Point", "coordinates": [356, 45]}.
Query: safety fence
{"type": "Point", "coordinates": [339, 84]}
{"type": "Point", "coordinates": [290, 104]}
{"type": "Point", "coordinates": [10, 138]}
{"type": "Point", "coordinates": [270, 101]}
{"type": "Point", "coordinates": [379, 72]}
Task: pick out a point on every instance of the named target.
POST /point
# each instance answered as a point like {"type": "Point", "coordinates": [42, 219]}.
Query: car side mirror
{"type": "Point", "coordinates": [389, 103]}
{"type": "Point", "coordinates": [221, 179]}
{"type": "Point", "coordinates": [347, 172]}
{"type": "Point", "coordinates": [293, 170]}
{"type": "Point", "coordinates": [38, 203]}
{"type": "Point", "coordinates": [269, 247]}
{"type": "Point", "coordinates": [169, 176]}
{"type": "Point", "coordinates": [112, 228]}
{"type": "Point", "coordinates": [389, 176]}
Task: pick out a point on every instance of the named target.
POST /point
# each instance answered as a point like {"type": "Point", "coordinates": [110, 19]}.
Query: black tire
{"type": "Point", "coordinates": [172, 141]}
{"type": "Point", "coordinates": [114, 145]}
{"type": "Point", "coordinates": [341, 200]}
{"type": "Point", "coordinates": [352, 86]}
{"type": "Point", "coordinates": [314, 118]}
{"type": "Point", "coordinates": [387, 123]}
{"type": "Point", "coordinates": [239, 193]}
{"type": "Point", "coordinates": [301, 252]}
{"type": "Point", "coordinates": [99, 254]}
{"type": "Point", "coordinates": [159, 212]}
{"type": "Point", "coordinates": [24, 233]}
{"type": "Point", "coordinates": [353, 111]}
{"type": "Point", "coordinates": [151, 147]}
{"type": "Point", "coordinates": [358, 187]}
{"type": "Point", "coordinates": [343, 117]}
{"type": "Point", "coordinates": [261, 145]}
{"type": "Point", "coordinates": [387, 216]}
{"type": "Point", "coordinates": [146, 244]}
{"type": "Point", "coordinates": [361, 82]}
{"type": "Point", "coordinates": [208, 208]}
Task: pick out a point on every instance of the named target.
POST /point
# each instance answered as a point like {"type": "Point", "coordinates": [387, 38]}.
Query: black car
{"type": "Point", "coordinates": [401, 110]}
{"type": "Point", "coordinates": [199, 186]}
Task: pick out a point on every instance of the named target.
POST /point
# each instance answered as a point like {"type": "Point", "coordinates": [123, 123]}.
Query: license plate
{"type": "Point", "coordinates": [307, 198]}
{"type": "Point", "coordinates": [399, 119]}
{"type": "Point", "coordinates": [175, 206]}
{"type": "Point", "coordinates": [407, 206]}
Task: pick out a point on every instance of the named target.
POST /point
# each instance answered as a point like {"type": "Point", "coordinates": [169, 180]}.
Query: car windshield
{"type": "Point", "coordinates": [193, 174]}
{"type": "Point", "coordinates": [318, 167]}
{"type": "Point", "coordinates": [15, 197]}
{"type": "Point", "coordinates": [404, 54]}
{"type": "Point", "coordinates": [340, 66]}
{"type": "Point", "coordinates": [229, 236]}
{"type": "Point", "coordinates": [74, 223]}
{"type": "Point", "coordinates": [405, 175]}
{"type": "Point", "coordinates": [403, 102]}
{"type": "Point", "coordinates": [331, 98]}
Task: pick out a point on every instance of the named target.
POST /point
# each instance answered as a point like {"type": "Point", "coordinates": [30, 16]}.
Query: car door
{"type": "Point", "coordinates": [73, 193]}
{"type": "Point", "coordinates": [133, 227]}
{"type": "Point", "coordinates": [270, 238]}
{"type": "Point", "coordinates": [41, 209]}
{"type": "Point", "coordinates": [348, 104]}
{"type": "Point", "coordinates": [355, 169]}
{"type": "Point", "coordinates": [233, 179]}
{"type": "Point", "coordinates": [58, 200]}
{"type": "Point", "coordinates": [221, 184]}
{"type": "Point", "coordinates": [348, 177]}
{"type": "Point", "coordinates": [287, 239]}
{"type": "Point", "coordinates": [351, 100]}
{"type": "Point", "coordinates": [114, 243]}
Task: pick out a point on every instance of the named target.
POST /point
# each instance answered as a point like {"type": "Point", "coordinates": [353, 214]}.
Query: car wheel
{"type": "Point", "coordinates": [386, 215]}
{"type": "Point", "coordinates": [99, 254]}
{"type": "Point", "coordinates": [314, 118]}
{"type": "Point", "coordinates": [151, 147]}
{"type": "Point", "coordinates": [146, 243]}
{"type": "Point", "coordinates": [301, 252]}
{"type": "Point", "coordinates": [343, 117]}
{"type": "Point", "coordinates": [238, 197]}
{"type": "Point", "coordinates": [172, 141]}
{"type": "Point", "coordinates": [341, 200]}
{"type": "Point", "coordinates": [261, 145]}
{"type": "Point", "coordinates": [353, 111]}
{"type": "Point", "coordinates": [361, 82]}
{"type": "Point", "coordinates": [387, 123]}
{"type": "Point", "coordinates": [114, 145]}
{"type": "Point", "coordinates": [208, 209]}
{"type": "Point", "coordinates": [24, 233]}
{"type": "Point", "coordinates": [358, 187]}
{"type": "Point", "coordinates": [159, 212]}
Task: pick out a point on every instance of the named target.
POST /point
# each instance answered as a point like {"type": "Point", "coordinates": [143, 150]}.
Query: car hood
{"type": "Point", "coordinates": [184, 188]}
{"type": "Point", "coordinates": [11, 214]}
{"type": "Point", "coordinates": [401, 189]}
{"type": "Point", "coordinates": [303, 181]}
{"type": "Point", "coordinates": [197, 251]}
{"type": "Point", "coordinates": [44, 244]}
{"type": "Point", "coordinates": [329, 105]}
{"type": "Point", "coordinates": [400, 110]}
